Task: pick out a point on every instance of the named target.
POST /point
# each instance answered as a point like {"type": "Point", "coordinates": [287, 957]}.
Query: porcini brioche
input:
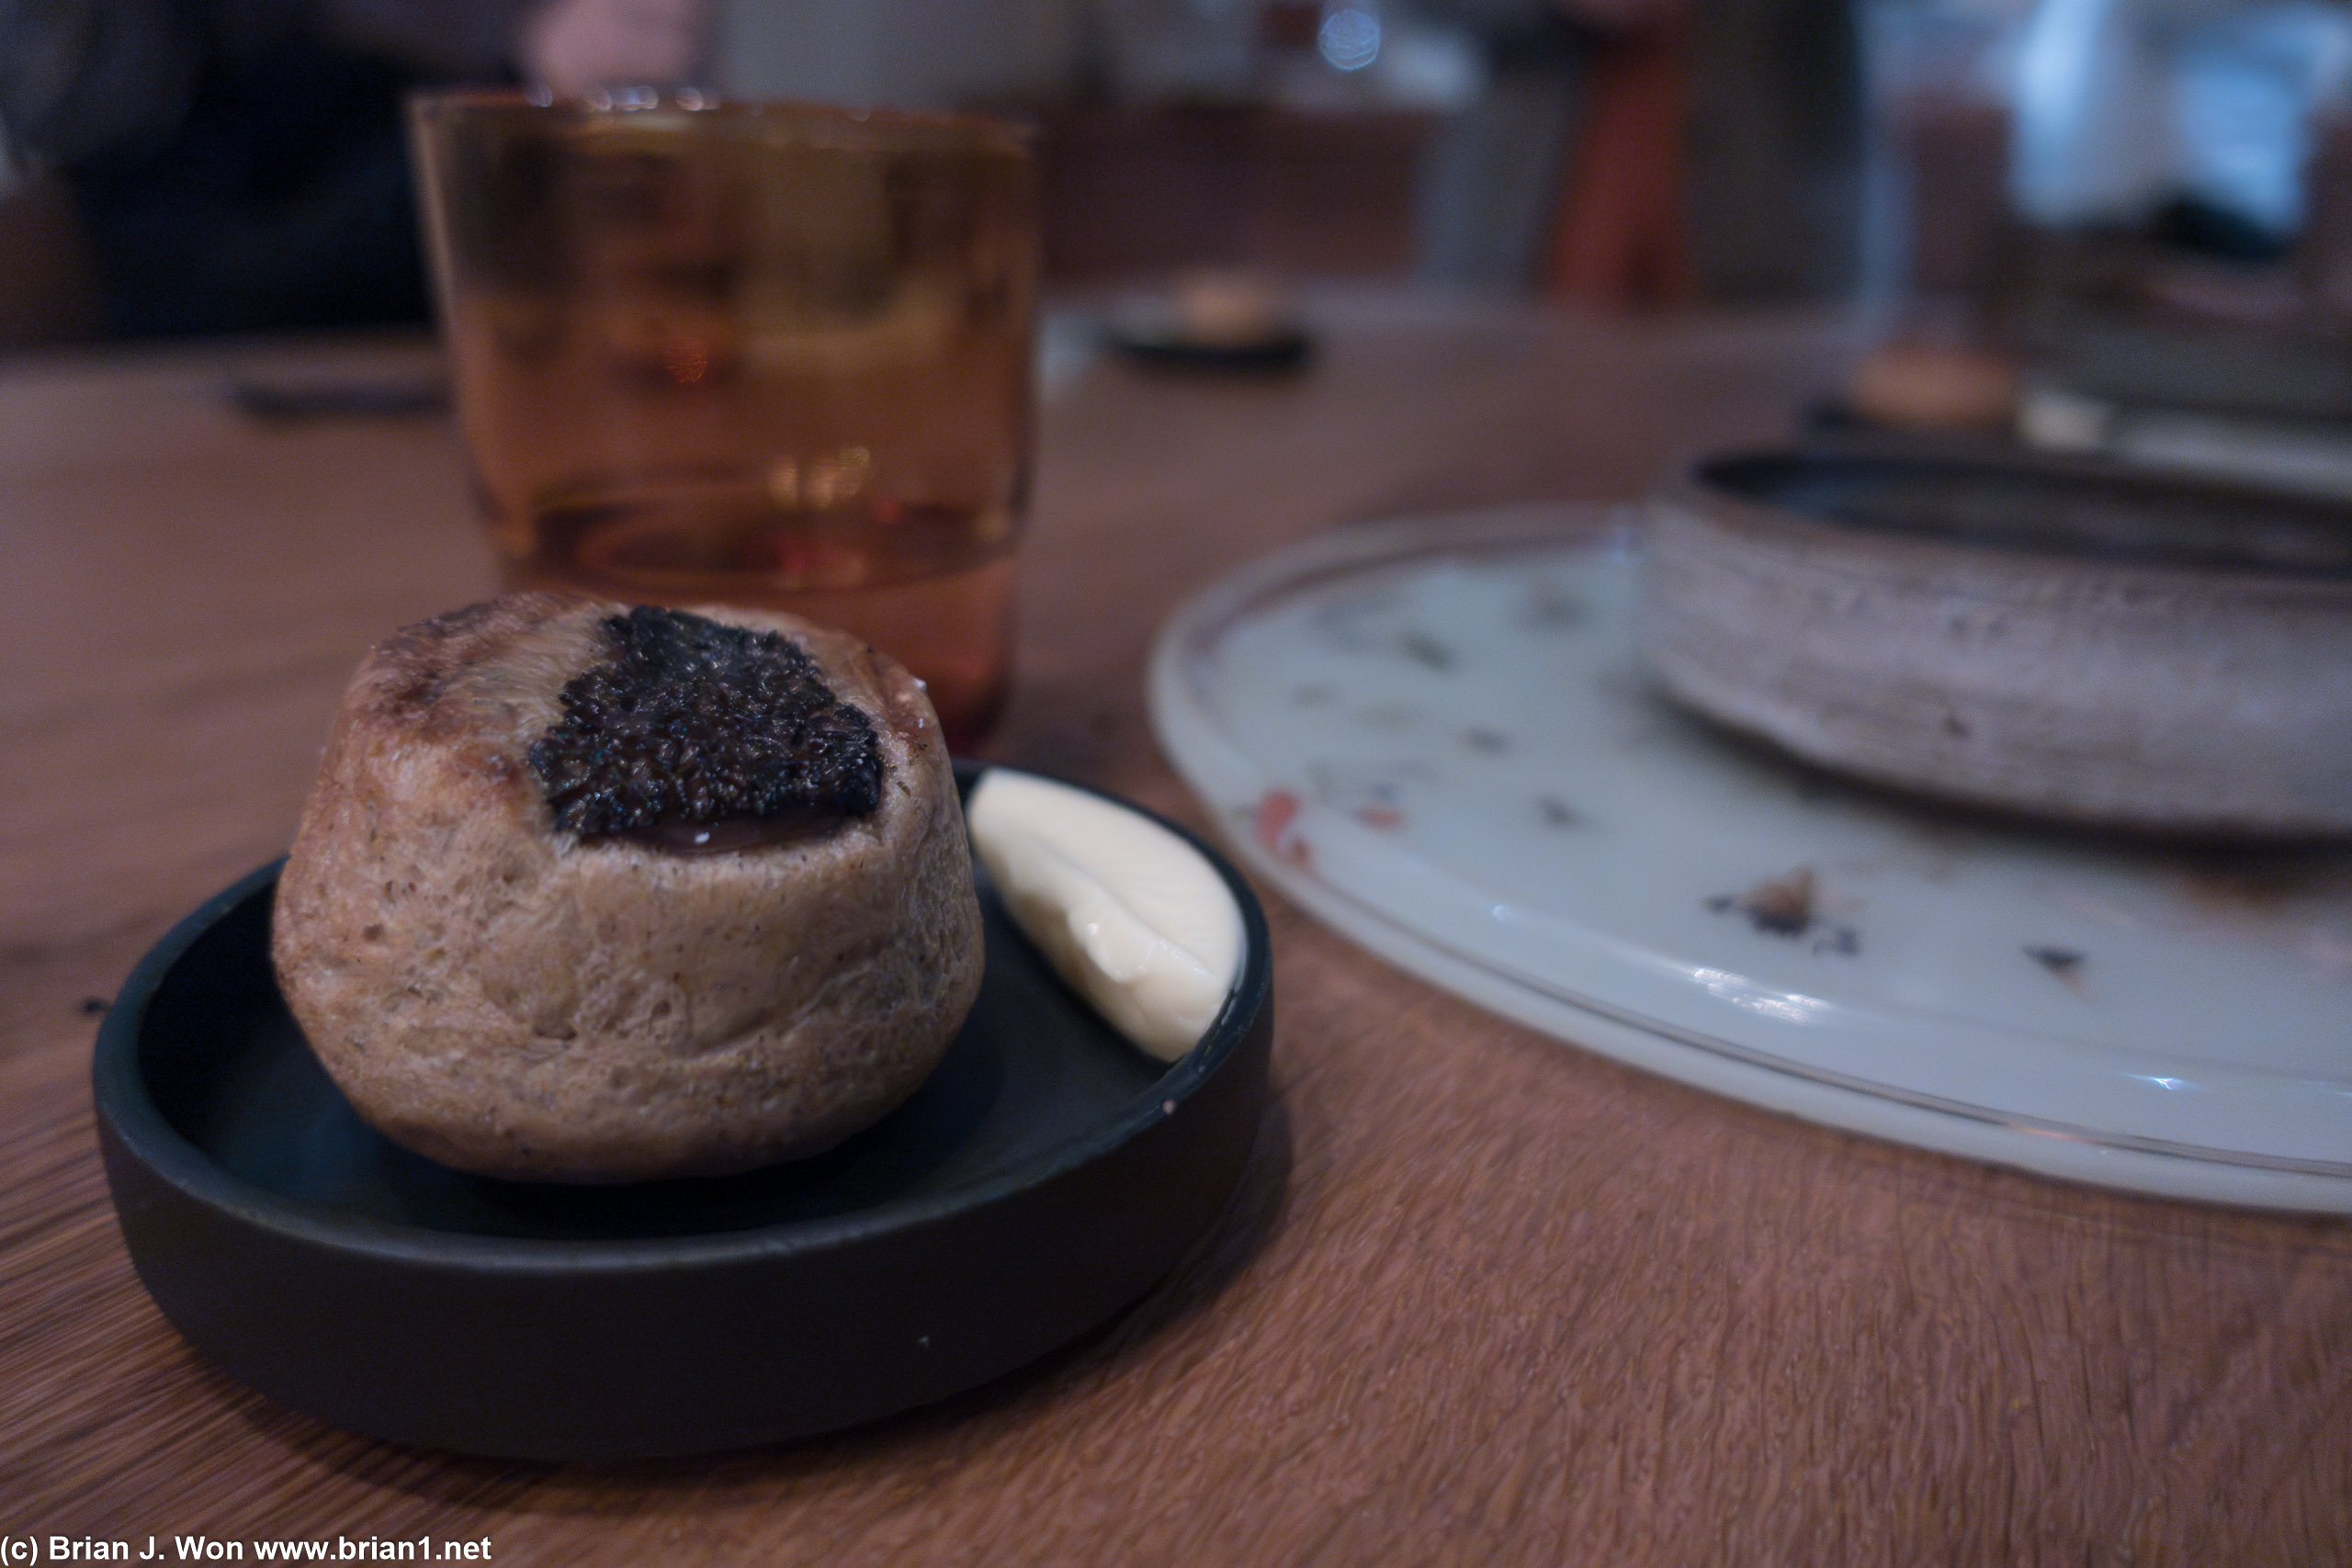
{"type": "Point", "coordinates": [586, 893]}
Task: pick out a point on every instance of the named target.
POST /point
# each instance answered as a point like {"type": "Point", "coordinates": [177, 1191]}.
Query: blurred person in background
{"type": "Point", "coordinates": [1645, 153]}
{"type": "Point", "coordinates": [1494, 181]}
{"type": "Point", "coordinates": [2192, 119]}
{"type": "Point", "coordinates": [241, 165]}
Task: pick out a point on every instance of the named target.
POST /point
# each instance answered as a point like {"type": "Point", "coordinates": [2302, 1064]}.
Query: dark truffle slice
{"type": "Point", "coordinates": [691, 722]}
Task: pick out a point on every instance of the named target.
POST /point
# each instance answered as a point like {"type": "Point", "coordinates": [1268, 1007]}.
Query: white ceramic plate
{"type": "Point", "coordinates": [1434, 735]}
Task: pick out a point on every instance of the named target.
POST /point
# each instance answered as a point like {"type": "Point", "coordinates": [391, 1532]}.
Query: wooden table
{"type": "Point", "coordinates": [1482, 1298]}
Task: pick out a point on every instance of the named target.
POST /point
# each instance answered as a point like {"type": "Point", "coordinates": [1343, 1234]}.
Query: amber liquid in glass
{"type": "Point", "coordinates": [932, 585]}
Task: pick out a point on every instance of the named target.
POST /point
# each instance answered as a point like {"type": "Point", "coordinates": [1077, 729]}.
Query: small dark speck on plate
{"type": "Point", "coordinates": [1557, 813]}
{"type": "Point", "coordinates": [1423, 648]}
{"type": "Point", "coordinates": [1783, 906]}
{"type": "Point", "coordinates": [1554, 607]}
{"type": "Point", "coordinates": [2062, 962]}
{"type": "Point", "coordinates": [94, 1007]}
{"type": "Point", "coordinates": [1839, 940]}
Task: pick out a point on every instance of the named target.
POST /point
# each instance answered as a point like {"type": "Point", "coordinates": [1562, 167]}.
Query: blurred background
{"type": "Point", "coordinates": [2143, 200]}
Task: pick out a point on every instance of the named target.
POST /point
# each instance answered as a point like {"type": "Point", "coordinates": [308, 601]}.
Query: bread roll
{"type": "Point", "coordinates": [589, 894]}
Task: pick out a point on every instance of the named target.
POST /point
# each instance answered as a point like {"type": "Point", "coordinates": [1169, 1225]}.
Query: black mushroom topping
{"type": "Point", "coordinates": [688, 721]}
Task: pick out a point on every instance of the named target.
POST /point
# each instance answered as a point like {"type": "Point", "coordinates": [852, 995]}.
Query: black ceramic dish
{"type": "Point", "coordinates": [1046, 1176]}
{"type": "Point", "coordinates": [1286, 349]}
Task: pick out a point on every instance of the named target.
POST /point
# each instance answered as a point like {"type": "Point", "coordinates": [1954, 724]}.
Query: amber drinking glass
{"type": "Point", "coordinates": [770, 354]}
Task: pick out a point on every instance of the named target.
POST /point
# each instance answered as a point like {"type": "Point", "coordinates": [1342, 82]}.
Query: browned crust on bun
{"type": "Point", "coordinates": [512, 1001]}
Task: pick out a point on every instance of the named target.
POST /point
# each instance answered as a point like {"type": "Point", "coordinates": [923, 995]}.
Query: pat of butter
{"type": "Point", "coordinates": [1127, 913]}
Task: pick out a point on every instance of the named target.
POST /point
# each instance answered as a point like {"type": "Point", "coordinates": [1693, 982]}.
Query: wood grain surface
{"type": "Point", "coordinates": [1483, 1298]}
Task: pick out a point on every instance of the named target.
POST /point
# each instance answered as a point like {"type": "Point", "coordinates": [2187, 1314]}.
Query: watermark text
{"type": "Point", "coordinates": [27, 1550]}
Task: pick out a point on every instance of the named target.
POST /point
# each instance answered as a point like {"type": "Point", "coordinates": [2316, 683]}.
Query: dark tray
{"type": "Point", "coordinates": [1043, 1178]}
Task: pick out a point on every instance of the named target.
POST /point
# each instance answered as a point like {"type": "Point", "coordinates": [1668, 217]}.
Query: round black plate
{"type": "Point", "coordinates": [1045, 1176]}
{"type": "Point", "coordinates": [1287, 349]}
